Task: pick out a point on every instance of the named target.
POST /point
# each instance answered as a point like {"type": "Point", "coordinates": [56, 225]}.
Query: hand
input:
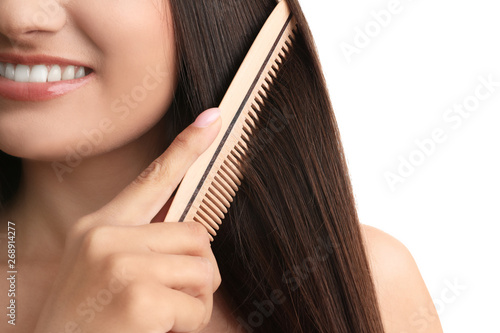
{"type": "Point", "coordinates": [121, 273]}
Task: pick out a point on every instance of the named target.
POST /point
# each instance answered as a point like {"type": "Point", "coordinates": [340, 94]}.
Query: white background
{"type": "Point", "coordinates": [396, 90]}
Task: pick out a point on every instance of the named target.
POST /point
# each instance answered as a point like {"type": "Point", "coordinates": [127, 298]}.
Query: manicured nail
{"type": "Point", "coordinates": [207, 117]}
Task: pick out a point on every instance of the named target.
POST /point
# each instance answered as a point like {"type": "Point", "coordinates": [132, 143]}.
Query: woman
{"type": "Point", "coordinates": [90, 158]}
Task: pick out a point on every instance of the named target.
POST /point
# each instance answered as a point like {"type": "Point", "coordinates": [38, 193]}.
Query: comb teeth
{"type": "Point", "coordinates": [228, 177]}
{"type": "Point", "coordinates": [213, 180]}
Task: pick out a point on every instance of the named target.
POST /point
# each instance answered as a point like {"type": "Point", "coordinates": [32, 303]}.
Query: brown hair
{"type": "Point", "coordinates": [290, 249]}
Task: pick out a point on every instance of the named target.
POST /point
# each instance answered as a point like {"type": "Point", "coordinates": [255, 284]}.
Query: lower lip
{"type": "Point", "coordinates": [35, 92]}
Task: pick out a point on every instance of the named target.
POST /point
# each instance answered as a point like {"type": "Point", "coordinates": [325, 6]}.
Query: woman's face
{"type": "Point", "coordinates": [129, 46]}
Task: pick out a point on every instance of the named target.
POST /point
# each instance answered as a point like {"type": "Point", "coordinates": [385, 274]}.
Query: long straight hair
{"type": "Point", "coordinates": [290, 249]}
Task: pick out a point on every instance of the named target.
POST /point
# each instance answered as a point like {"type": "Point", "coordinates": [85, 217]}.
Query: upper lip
{"type": "Point", "coordinates": [39, 59]}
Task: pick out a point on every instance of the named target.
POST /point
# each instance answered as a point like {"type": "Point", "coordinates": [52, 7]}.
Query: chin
{"type": "Point", "coordinates": [37, 151]}
{"type": "Point", "coordinates": [51, 149]}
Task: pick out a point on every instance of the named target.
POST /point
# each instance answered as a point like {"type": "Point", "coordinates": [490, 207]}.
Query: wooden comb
{"type": "Point", "coordinates": [208, 187]}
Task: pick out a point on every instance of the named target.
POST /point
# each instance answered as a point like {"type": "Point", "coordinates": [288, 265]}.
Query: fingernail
{"type": "Point", "coordinates": [207, 117]}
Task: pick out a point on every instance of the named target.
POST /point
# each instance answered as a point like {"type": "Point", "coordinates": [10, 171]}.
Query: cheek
{"type": "Point", "coordinates": [137, 71]}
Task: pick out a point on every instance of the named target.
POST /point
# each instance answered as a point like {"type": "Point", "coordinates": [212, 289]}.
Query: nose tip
{"type": "Point", "coordinates": [21, 20]}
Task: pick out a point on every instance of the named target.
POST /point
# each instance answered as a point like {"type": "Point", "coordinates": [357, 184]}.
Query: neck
{"type": "Point", "coordinates": [46, 205]}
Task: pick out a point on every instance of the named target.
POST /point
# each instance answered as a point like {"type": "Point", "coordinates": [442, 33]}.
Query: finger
{"type": "Point", "coordinates": [186, 238]}
{"type": "Point", "coordinates": [141, 200]}
{"type": "Point", "coordinates": [175, 311]}
{"type": "Point", "coordinates": [152, 307]}
{"type": "Point", "coordinates": [186, 319]}
{"type": "Point", "coordinates": [189, 238]}
{"type": "Point", "coordinates": [189, 274]}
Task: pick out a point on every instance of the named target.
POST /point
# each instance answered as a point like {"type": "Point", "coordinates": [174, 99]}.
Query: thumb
{"type": "Point", "coordinates": [141, 200]}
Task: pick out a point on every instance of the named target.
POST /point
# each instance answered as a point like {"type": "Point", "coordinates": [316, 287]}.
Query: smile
{"type": "Point", "coordinates": [42, 73]}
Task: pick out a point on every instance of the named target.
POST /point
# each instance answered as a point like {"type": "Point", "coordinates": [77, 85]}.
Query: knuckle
{"type": "Point", "coordinates": [181, 142]}
{"type": "Point", "coordinates": [75, 233]}
{"type": "Point", "coordinates": [152, 174]}
{"type": "Point", "coordinates": [137, 297]}
{"type": "Point", "coordinates": [135, 301]}
{"type": "Point", "coordinates": [198, 231]}
{"type": "Point", "coordinates": [94, 239]}
{"type": "Point", "coordinates": [213, 277]}
{"type": "Point", "coordinates": [200, 317]}
{"type": "Point", "coordinates": [168, 320]}
{"type": "Point", "coordinates": [116, 263]}
{"type": "Point", "coordinates": [185, 142]}
{"type": "Point", "coordinates": [207, 277]}
{"type": "Point", "coordinates": [199, 235]}
{"type": "Point", "coordinates": [85, 221]}
{"type": "Point", "coordinates": [81, 226]}
{"type": "Point", "coordinates": [206, 269]}
{"type": "Point", "coordinates": [205, 322]}
{"type": "Point", "coordinates": [204, 315]}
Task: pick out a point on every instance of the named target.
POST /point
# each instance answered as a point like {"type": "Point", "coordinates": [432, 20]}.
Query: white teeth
{"type": "Point", "coordinates": [40, 73]}
{"type": "Point", "coordinates": [80, 73]}
{"type": "Point", "coordinates": [54, 74]}
{"type": "Point", "coordinates": [22, 73]}
{"type": "Point", "coordinates": [69, 73]}
{"type": "Point", "coordinates": [10, 72]}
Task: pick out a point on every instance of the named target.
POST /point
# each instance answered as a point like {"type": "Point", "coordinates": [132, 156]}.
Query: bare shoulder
{"type": "Point", "coordinates": [405, 302]}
